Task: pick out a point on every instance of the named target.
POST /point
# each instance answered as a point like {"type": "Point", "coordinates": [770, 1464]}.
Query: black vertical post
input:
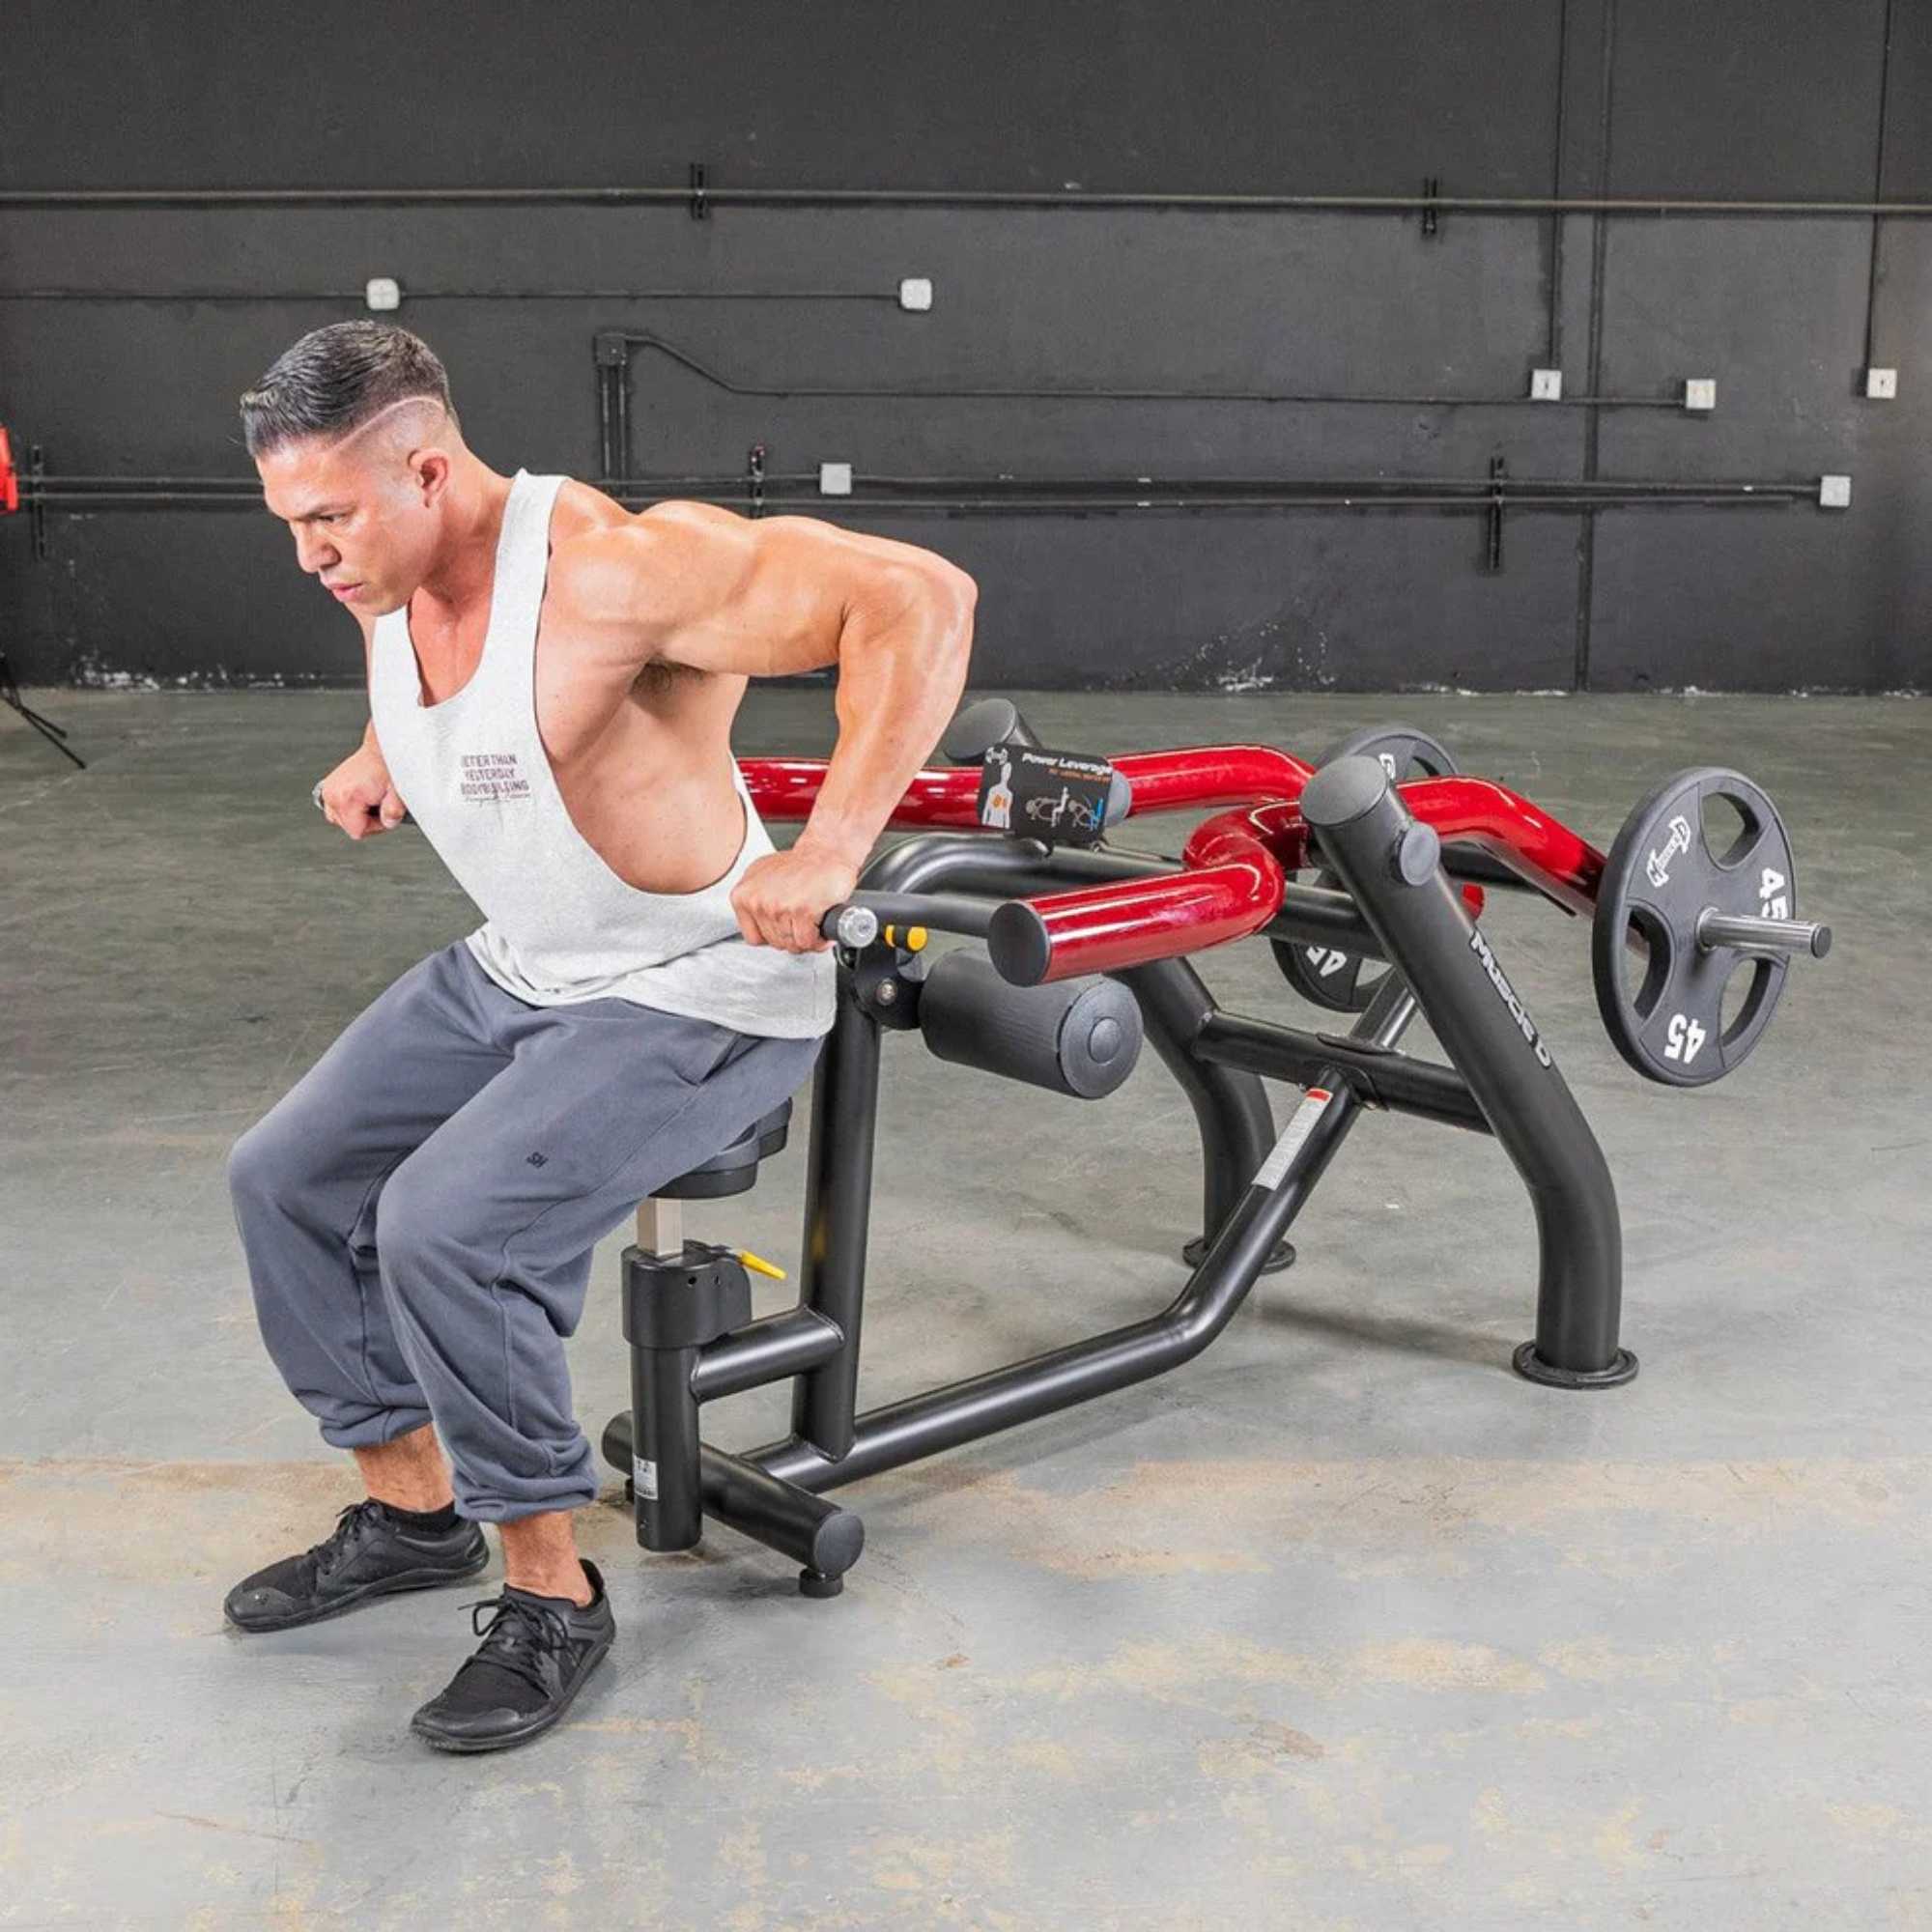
{"type": "Point", "coordinates": [1393, 868]}
{"type": "Point", "coordinates": [1230, 1108]}
{"type": "Point", "coordinates": [667, 1496]}
{"type": "Point", "coordinates": [837, 1217]}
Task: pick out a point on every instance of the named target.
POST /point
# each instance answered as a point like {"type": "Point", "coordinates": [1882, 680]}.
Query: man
{"type": "Point", "coordinates": [551, 686]}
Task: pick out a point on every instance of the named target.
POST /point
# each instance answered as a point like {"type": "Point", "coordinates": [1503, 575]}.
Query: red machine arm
{"type": "Point", "coordinates": [948, 796]}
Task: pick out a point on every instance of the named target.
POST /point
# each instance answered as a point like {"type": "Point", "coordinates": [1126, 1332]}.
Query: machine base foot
{"type": "Point", "coordinates": [1531, 1366]}
{"type": "Point", "coordinates": [1280, 1256]}
{"type": "Point", "coordinates": [815, 1583]}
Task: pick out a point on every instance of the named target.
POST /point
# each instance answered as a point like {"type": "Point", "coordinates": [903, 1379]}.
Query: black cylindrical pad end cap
{"type": "Point", "coordinates": [1100, 1039]}
{"type": "Point", "coordinates": [1076, 1037]}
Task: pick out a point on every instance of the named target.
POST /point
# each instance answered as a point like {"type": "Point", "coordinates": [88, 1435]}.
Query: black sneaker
{"type": "Point", "coordinates": [368, 1555]}
{"type": "Point", "coordinates": [535, 1654]}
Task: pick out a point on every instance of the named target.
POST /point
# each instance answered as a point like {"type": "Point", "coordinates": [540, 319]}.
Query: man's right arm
{"type": "Point", "coordinates": [368, 626]}
{"type": "Point", "coordinates": [358, 795]}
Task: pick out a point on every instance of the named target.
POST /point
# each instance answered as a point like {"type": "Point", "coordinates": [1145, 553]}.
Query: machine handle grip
{"type": "Point", "coordinates": [860, 919]}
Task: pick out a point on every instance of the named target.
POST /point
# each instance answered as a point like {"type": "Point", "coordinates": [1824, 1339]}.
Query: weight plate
{"type": "Point", "coordinates": [1325, 973]}
{"type": "Point", "coordinates": [1680, 852]}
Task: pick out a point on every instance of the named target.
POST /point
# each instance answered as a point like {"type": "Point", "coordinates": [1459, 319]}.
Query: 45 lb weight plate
{"type": "Point", "coordinates": [1699, 889]}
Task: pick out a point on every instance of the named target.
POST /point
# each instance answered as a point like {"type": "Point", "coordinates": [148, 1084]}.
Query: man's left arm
{"type": "Point", "coordinates": [784, 595]}
{"type": "Point", "coordinates": [901, 652]}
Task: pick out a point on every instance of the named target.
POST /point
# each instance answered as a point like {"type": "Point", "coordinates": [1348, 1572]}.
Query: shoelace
{"type": "Point", "coordinates": [519, 1638]}
{"type": "Point", "coordinates": [349, 1523]}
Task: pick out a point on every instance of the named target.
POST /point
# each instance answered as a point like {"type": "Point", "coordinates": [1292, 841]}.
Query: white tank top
{"type": "Point", "coordinates": [560, 926]}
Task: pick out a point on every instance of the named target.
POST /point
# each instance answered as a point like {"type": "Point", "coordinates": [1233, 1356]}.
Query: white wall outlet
{"type": "Point", "coordinates": [1700, 392]}
{"type": "Point", "coordinates": [1546, 386]}
{"type": "Point", "coordinates": [835, 479]}
{"type": "Point", "coordinates": [916, 293]}
{"type": "Point", "coordinates": [1881, 385]}
{"type": "Point", "coordinates": [1834, 492]}
{"type": "Point", "coordinates": [382, 292]}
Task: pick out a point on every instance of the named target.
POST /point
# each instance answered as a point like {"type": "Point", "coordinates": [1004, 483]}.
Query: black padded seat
{"type": "Point", "coordinates": [735, 1168]}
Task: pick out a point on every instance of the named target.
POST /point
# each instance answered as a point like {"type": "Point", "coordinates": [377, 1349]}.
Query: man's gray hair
{"type": "Point", "coordinates": [335, 379]}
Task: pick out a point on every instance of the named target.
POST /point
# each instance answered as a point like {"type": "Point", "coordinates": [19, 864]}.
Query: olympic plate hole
{"type": "Point", "coordinates": [1646, 961]}
{"type": "Point", "coordinates": [1742, 994]}
{"type": "Point", "coordinates": [1728, 829]}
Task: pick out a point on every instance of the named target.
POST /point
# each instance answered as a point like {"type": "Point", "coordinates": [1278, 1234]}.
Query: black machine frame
{"type": "Point", "coordinates": [687, 1315]}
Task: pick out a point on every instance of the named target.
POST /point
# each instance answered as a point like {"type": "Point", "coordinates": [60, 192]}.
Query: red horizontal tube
{"type": "Point", "coordinates": [1102, 927]}
{"type": "Point", "coordinates": [787, 788]}
{"type": "Point", "coordinates": [1275, 828]}
{"type": "Point", "coordinates": [1211, 775]}
{"type": "Point", "coordinates": [1237, 861]}
{"type": "Point", "coordinates": [1526, 838]}
{"type": "Point", "coordinates": [1206, 775]}
{"type": "Point", "coordinates": [1468, 811]}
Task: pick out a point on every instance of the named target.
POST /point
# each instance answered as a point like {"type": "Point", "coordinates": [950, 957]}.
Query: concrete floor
{"type": "Point", "coordinates": [1341, 1626]}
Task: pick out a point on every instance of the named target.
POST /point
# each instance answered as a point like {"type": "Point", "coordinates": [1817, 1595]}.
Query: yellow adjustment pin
{"type": "Point", "coordinates": [914, 940]}
{"type": "Point", "coordinates": [759, 1262]}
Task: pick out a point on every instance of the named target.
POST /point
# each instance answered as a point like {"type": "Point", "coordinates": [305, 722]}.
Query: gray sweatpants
{"type": "Point", "coordinates": [418, 1211]}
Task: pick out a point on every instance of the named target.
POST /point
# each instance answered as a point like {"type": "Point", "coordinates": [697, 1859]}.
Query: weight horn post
{"type": "Point", "coordinates": [1745, 933]}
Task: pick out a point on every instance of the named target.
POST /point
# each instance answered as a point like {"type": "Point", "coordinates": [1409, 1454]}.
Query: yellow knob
{"type": "Point", "coordinates": [762, 1265]}
{"type": "Point", "coordinates": [912, 939]}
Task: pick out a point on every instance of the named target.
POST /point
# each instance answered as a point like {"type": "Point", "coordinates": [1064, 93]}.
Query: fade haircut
{"type": "Point", "coordinates": [335, 380]}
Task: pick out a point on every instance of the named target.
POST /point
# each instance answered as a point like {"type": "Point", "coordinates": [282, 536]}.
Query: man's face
{"type": "Point", "coordinates": [364, 514]}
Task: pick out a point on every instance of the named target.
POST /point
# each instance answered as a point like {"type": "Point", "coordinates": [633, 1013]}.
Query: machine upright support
{"type": "Point", "coordinates": [1230, 1106]}
{"type": "Point", "coordinates": [838, 1214]}
{"type": "Point", "coordinates": [1392, 865]}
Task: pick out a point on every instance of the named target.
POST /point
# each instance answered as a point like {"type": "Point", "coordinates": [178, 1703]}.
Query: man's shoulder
{"type": "Point", "coordinates": [608, 563]}
{"type": "Point", "coordinates": [583, 510]}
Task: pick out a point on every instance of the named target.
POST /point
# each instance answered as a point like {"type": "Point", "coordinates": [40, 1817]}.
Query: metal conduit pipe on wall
{"type": "Point", "coordinates": [709, 197]}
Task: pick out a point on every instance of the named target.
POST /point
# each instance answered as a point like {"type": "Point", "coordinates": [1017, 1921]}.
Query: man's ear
{"type": "Point", "coordinates": [430, 470]}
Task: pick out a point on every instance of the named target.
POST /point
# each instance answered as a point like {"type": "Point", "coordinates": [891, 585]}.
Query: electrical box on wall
{"type": "Point", "coordinates": [1546, 386]}
{"type": "Point", "coordinates": [1700, 393]}
{"type": "Point", "coordinates": [383, 293]}
{"type": "Point", "coordinates": [1881, 385]}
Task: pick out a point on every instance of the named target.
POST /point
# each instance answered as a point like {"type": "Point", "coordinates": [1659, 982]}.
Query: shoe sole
{"type": "Point", "coordinates": [535, 1728]}
{"type": "Point", "coordinates": [386, 1586]}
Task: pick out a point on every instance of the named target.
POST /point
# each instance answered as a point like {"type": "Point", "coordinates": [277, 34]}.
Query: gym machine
{"type": "Point", "coordinates": [1368, 874]}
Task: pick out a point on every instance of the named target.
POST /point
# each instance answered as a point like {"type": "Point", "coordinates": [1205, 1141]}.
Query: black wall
{"type": "Point", "coordinates": [1726, 99]}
